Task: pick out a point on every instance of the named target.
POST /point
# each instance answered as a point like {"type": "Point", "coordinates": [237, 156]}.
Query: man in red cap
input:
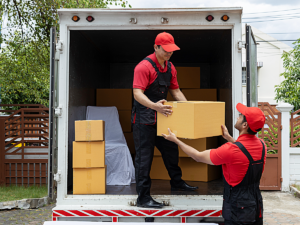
{"type": "Point", "coordinates": [242, 162]}
{"type": "Point", "coordinates": [153, 78]}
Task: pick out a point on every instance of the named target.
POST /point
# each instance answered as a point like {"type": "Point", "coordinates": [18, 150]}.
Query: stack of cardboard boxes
{"type": "Point", "coordinates": [89, 169]}
{"type": "Point", "coordinates": [122, 99]}
{"type": "Point", "coordinates": [195, 123]}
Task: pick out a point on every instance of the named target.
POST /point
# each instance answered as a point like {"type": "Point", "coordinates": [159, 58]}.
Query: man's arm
{"type": "Point", "coordinates": [177, 94]}
{"type": "Point", "coordinates": [158, 106]}
{"type": "Point", "coordinates": [203, 157]}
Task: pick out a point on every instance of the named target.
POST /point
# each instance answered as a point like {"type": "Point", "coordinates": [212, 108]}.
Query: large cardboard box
{"type": "Point", "coordinates": [195, 171]}
{"type": "Point", "coordinates": [170, 97]}
{"type": "Point", "coordinates": [88, 154]}
{"type": "Point", "coordinates": [130, 142]}
{"type": "Point", "coordinates": [89, 181]}
{"type": "Point", "coordinates": [188, 77]}
{"type": "Point", "coordinates": [197, 95]}
{"type": "Point", "coordinates": [125, 120]}
{"type": "Point", "coordinates": [200, 94]}
{"type": "Point", "coordinates": [158, 169]}
{"type": "Point", "coordinates": [121, 98]}
{"type": "Point", "coordinates": [193, 119]}
{"type": "Point", "coordinates": [89, 130]}
{"type": "Point", "coordinates": [191, 170]}
{"type": "Point", "coordinates": [200, 144]}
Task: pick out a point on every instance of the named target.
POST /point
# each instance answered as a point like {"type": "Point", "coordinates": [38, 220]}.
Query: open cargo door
{"type": "Point", "coordinates": [251, 68]}
{"type": "Point", "coordinates": [53, 96]}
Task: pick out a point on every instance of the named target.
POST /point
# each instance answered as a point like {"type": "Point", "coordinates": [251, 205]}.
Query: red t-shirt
{"type": "Point", "coordinates": [234, 162]}
{"type": "Point", "coordinates": [145, 74]}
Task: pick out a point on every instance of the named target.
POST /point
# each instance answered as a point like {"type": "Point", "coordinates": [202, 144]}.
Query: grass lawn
{"type": "Point", "coordinates": [18, 192]}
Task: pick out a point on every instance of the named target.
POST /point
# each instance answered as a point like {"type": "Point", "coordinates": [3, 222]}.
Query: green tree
{"type": "Point", "coordinates": [25, 61]}
{"type": "Point", "coordinates": [289, 89]}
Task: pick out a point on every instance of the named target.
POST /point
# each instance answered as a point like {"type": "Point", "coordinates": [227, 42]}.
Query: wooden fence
{"type": "Point", "coordinates": [24, 141]}
{"type": "Point", "coordinates": [295, 129]}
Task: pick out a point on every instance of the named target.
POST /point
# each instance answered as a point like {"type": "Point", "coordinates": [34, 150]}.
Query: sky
{"type": "Point", "coordinates": [283, 16]}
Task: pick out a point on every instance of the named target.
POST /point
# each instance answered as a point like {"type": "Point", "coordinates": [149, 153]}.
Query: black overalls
{"type": "Point", "coordinates": [145, 138]}
{"type": "Point", "coordinates": [243, 203]}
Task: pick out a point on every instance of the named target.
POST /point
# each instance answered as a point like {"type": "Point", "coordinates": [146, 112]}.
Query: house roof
{"type": "Point", "coordinates": [271, 40]}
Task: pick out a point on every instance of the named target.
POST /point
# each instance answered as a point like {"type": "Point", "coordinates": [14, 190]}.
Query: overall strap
{"type": "Point", "coordinates": [153, 64]}
{"type": "Point", "coordinates": [244, 150]}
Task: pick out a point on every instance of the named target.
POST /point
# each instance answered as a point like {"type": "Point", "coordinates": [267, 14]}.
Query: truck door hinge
{"type": "Point", "coordinates": [280, 127]}
{"type": "Point", "coordinates": [281, 179]}
{"type": "Point", "coordinates": [57, 176]}
{"type": "Point", "coordinates": [241, 44]}
{"type": "Point", "coordinates": [59, 46]}
{"type": "Point", "coordinates": [58, 111]}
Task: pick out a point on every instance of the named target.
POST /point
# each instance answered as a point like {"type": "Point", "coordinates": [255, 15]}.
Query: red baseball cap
{"type": "Point", "coordinates": [254, 116]}
{"type": "Point", "coordinates": [166, 41]}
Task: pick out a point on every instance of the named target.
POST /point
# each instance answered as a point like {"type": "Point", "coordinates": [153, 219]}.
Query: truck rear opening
{"type": "Point", "coordinates": [99, 56]}
{"type": "Point", "coordinates": [106, 59]}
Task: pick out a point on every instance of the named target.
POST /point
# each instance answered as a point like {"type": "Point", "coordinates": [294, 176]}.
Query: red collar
{"type": "Point", "coordinates": [154, 59]}
{"type": "Point", "coordinates": [246, 137]}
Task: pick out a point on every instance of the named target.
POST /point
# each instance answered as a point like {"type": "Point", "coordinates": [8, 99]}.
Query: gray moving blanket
{"type": "Point", "coordinates": [120, 169]}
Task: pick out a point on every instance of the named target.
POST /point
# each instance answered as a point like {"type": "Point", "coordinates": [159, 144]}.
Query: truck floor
{"type": "Point", "coordinates": [162, 187]}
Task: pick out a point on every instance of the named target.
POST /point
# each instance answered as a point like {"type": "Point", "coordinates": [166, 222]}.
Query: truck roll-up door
{"type": "Point", "coordinates": [251, 68]}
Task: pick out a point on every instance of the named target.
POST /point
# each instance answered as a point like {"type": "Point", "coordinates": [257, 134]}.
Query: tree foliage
{"type": "Point", "coordinates": [24, 61]}
{"type": "Point", "coordinates": [289, 89]}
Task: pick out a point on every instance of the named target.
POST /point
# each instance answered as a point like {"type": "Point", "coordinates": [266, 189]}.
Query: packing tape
{"type": "Point", "coordinates": [88, 130]}
{"type": "Point", "coordinates": [88, 163]}
{"type": "Point", "coordinates": [89, 175]}
{"type": "Point", "coordinates": [174, 104]}
{"type": "Point", "coordinates": [175, 132]}
{"type": "Point", "coordinates": [89, 188]}
{"type": "Point", "coordinates": [88, 147]}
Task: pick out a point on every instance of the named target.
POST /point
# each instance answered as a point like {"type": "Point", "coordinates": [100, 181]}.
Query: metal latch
{"type": "Point", "coordinates": [58, 111]}
{"type": "Point", "coordinates": [241, 44]}
{"type": "Point", "coordinates": [164, 20]}
{"type": "Point", "coordinates": [133, 20]}
{"type": "Point", "coordinates": [59, 46]}
{"type": "Point", "coordinates": [57, 176]}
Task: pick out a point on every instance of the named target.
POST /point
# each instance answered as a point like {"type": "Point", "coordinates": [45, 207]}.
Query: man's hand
{"type": "Point", "coordinates": [226, 135]}
{"type": "Point", "coordinates": [163, 109]}
{"type": "Point", "coordinates": [171, 137]}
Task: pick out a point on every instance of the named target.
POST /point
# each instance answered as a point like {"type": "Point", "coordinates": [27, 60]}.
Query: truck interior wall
{"type": "Point", "coordinates": [107, 58]}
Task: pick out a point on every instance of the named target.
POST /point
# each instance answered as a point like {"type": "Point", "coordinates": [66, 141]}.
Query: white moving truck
{"type": "Point", "coordinates": [100, 50]}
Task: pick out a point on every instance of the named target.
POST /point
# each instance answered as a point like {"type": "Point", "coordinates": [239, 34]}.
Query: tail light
{"type": "Point", "coordinates": [90, 18]}
{"type": "Point", "coordinates": [225, 18]}
{"type": "Point", "coordinates": [75, 18]}
{"type": "Point", "coordinates": [209, 18]}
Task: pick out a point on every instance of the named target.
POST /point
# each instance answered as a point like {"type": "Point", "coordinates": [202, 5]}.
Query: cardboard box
{"type": "Point", "coordinates": [120, 98]}
{"type": "Point", "coordinates": [89, 181]}
{"type": "Point", "coordinates": [200, 144]}
{"type": "Point", "coordinates": [200, 94]}
{"type": "Point", "coordinates": [158, 169]}
{"type": "Point", "coordinates": [188, 77]}
{"type": "Point", "coordinates": [193, 119]}
{"type": "Point", "coordinates": [89, 130]}
{"type": "Point", "coordinates": [170, 97]}
{"type": "Point", "coordinates": [191, 170]}
{"type": "Point", "coordinates": [130, 142]}
{"type": "Point", "coordinates": [125, 120]}
{"type": "Point", "coordinates": [88, 154]}
{"type": "Point", "coordinates": [195, 171]}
